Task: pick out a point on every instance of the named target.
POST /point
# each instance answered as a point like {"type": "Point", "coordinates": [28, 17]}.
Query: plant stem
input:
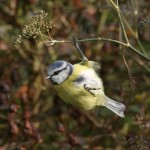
{"type": "Point", "coordinates": [117, 9]}
{"type": "Point", "coordinates": [139, 53]}
{"type": "Point", "coordinates": [104, 39]}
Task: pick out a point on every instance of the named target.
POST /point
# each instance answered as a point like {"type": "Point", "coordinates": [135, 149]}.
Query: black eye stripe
{"type": "Point", "coordinates": [58, 79]}
{"type": "Point", "coordinates": [58, 71]}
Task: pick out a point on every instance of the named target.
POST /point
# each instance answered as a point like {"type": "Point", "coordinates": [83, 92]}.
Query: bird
{"type": "Point", "coordinates": [80, 85]}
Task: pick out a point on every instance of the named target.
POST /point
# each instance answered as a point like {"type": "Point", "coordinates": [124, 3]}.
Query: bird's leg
{"type": "Point", "coordinates": [75, 43]}
{"type": "Point", "coordinates": [90, 89]}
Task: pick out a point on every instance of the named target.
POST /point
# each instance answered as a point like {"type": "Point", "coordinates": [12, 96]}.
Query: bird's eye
{"type": "Point", "coordinates": [56, 72]}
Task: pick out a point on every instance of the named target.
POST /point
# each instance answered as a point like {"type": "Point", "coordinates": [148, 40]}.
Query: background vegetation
{"type": "Point", "coordinates": [32, 116]}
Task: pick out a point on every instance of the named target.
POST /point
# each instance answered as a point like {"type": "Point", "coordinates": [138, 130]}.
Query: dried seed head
{"type": "Point", "coordinates": [37, 26]}
{"type": "Point", "coordinates": [18, 40]}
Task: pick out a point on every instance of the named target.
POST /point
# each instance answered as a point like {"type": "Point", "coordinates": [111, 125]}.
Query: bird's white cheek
{"type": "Point", "coordinates": [58, 79]}
{"type": "Point", "coordinates": [55, 79]}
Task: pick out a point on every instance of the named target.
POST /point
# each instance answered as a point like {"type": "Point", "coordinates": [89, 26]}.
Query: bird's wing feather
{"type": "Point", "coordinates": [96, 66]}
{"type": "Point", "coordinates": [92, 64]}
{"type": "Point", "coordinates": [114, 106]}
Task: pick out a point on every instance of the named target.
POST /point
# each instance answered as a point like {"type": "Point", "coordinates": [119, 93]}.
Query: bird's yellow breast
{"type": "Point", "coordinates": [74, 93]}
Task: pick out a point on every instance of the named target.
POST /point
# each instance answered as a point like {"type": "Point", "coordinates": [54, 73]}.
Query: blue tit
{"type": "Point", "coordinates": [80, 85]}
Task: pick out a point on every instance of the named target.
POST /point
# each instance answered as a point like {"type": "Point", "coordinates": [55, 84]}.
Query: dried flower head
{"type": "Point", "coordinates": [36, 26]}
{"type": "Point", "coordinates": [18, 40]}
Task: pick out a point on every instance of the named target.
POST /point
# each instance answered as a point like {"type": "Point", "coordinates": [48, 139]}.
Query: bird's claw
{"type": "Point", "coordinates": [90, 89]}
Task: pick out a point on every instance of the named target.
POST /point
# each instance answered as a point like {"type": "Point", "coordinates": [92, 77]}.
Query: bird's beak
{"type": "Point", "coordinates": [47, 77]}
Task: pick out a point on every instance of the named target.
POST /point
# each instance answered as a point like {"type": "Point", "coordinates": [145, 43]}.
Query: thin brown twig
{"type": "Point", "coordinates": [117, 9]}
{"type": "Point", "coordinates": [130, 47]}
{"type": "Point", "coordinates": [132, 80]}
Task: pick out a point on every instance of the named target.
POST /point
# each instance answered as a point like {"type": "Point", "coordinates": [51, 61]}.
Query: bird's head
{"type": "Point", "coordinates": [59, 71]}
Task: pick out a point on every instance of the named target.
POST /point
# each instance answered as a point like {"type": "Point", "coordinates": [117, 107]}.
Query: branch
{"type": "Point", "coordinates": [130, 47]}
{"type": "Point", "coordinates": [117, 9]}
{"type": "Point", "coordinates": [132, 81]}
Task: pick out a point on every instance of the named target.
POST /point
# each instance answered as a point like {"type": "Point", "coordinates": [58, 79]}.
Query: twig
{"type": "Point", "coordinates": [130, 47]}
{"type": "Point", "coordinates": [134, 34]}
{"type": "Point", "coordinates": [75, 43]}
{"type": "Point", "coordinates": [139, 53]}
{"type": "Point", "coordinates": [132, 83]}
{"type": "Point", "coordinates": [117, 9]}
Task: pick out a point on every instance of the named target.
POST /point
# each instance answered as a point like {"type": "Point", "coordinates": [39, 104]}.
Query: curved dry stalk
{"type": "Point", "coordinates": [130, 47]}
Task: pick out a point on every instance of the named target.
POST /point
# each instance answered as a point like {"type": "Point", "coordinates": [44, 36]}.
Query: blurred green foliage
{"type": "Point", "coordinates": [32, 116]}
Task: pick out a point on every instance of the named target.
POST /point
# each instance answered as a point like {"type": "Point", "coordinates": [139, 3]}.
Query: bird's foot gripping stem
{"type": "Point", "coordinates": [91, 89]}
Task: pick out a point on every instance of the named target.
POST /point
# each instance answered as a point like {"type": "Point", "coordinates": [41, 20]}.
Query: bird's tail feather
{"type": "Point", "coordinates": [114, 106]}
